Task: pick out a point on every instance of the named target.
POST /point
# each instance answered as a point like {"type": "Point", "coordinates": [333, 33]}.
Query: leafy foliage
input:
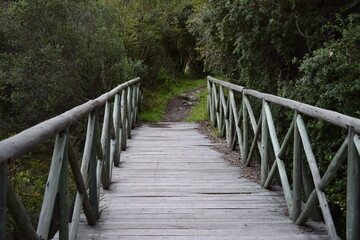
{"type": "Point", "coordinates": [256, 41]}
{"type": "Point", "coordinates": [54, 55]}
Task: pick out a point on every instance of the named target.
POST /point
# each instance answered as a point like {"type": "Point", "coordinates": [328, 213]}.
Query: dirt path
{"type": "Point", "coordinates": [178, 108]}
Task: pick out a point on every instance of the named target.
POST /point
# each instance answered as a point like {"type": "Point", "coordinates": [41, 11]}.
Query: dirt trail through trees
{"type": "Point", "coordinates": [178, 108]}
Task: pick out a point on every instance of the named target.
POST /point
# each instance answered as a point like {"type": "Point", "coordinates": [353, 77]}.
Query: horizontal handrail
{"type": "Point", "coordinates": [16, 146]}
{"type": "Point", "coordinates": [330, 116]}
{"type": "Point", "coordinates": [101, 152]}
{"type": "Point", "coordinates": [307, 183]}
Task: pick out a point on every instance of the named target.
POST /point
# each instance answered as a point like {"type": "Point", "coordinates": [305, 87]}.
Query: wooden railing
{"type": "Point", "coordinates": [251, 134]}
{"type": "Point", "coordinates": [101, 151]}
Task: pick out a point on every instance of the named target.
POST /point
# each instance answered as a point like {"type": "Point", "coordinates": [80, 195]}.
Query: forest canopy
{"type": "Point", "coordinates": [56, 54]}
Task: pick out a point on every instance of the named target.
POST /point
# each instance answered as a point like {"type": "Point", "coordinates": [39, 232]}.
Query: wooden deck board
{"type": "Point", "coordinates": [171, 185]}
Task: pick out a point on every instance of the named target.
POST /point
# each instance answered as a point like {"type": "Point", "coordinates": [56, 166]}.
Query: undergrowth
{"type": "Point", "coordinates": [199, 112]}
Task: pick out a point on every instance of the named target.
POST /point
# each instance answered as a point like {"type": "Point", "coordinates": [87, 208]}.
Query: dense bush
{"type": "Point", "coordinates": [256, 41]}
{"type": "Point", "coordinates": [56, 54]}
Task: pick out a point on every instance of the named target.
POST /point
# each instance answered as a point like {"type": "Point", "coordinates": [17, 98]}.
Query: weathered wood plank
{"type": "Point", "coordinates": [167, 199]}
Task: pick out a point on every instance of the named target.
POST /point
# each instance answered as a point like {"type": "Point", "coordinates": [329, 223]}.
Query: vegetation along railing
{"type": "Point", "coordinates": [241, 125]}
{"type": "Point", "coordinates": [102, 149]}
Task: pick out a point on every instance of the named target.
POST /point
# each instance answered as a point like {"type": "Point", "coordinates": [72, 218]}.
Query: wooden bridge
{"type": "Point", "coordinates": [170, 183]}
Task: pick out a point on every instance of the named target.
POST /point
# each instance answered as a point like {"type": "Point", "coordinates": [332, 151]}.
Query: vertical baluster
{"type": "Point", "coordinates": [63, 196]}
{"type": "Point", "coordinates": [123, 120]}
{"type": "Point", "coordinates": [245, 130]}
{"type": "Point", "coordinates": [297, 170]}
{"type": "Point", "coordinates": [52, 185]}
{"type": "Point", "coordinates": [106, 146]}
{"type": "Point", "coordinates": [93, 180]}
{"type": "Point", "coordinates": [139, 100]}
{"type": "Point", "coordinates": [231, 133]}
{"type": "Point", "coordinates": [212, 105]}
{"type": "Point", "coordinates": [133, 100]}
{"type": "Point", "coordinates": [208, 97]}
{"type": "Point", "coordinates": [116, 119]}
{"type": "Point", "coordinates": [3, 191]}
{"type": "Point", "coordinates": [264, 146]}
{"type": "Point", "coordinates": [129, 112]}
{"type": "Point", "coordinates": [353, 190]}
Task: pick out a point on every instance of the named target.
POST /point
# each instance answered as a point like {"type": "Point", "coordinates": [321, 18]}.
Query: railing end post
{"type": "Point", "coordinates": [353, 190]}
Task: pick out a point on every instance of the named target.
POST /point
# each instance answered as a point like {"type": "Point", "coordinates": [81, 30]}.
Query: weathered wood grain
{"type": "Point", "coordinates": [187, 191]}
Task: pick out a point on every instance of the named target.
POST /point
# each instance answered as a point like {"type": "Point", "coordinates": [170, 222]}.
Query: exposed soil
{"type": "Point", "coordinates": [233, 156]}
{"type": "Point", "coordinates": [178, 109]}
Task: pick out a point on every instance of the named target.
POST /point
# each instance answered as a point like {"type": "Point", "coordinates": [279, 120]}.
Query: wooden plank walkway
{"type": "Point", "coordinates": [172, 185]}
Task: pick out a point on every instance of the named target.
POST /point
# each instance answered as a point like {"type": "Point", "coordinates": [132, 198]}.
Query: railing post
{"type": "Point", "coordinates": [231, 133]}
{"type": "Point", "coordinates": [134, 110]}
{"type": "Point", "coordinates": [116, 120]}
{"type": "Point", "coordinates": [3, 191]}
{"type": "Point", "coordinates": [93, 179]}
{"type": "Point", "coordinates": [63, 195]}
{"type": "Point", "coordinates": [208, 97]}
{"type": "Point", "coordinates": [245, 130]}
{"type": "Point", "coordinates": [353, 190]}
{"type": "Point", "coordinates": [264, 146]}
{"type": "Point", "coordinates": [297, 170]}
{"type": "Point", "coordinates": [211, 87]}
{"type": "Point", "coordinates": [124, 124]}
{"type": "Point", "coordinates": [129, 111]}
{"type": "Point", "coordinates": [106, 146]}
{"type": "Point", "coordinates": [52, 185]}
{"type": "Point", "coordinates": [133, 100]}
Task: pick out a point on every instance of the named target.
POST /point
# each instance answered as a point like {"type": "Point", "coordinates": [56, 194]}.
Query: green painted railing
{"type": "Point", "coordinates": [241, 125]}
{"type": "Point", "coordinates": [101, 151]}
